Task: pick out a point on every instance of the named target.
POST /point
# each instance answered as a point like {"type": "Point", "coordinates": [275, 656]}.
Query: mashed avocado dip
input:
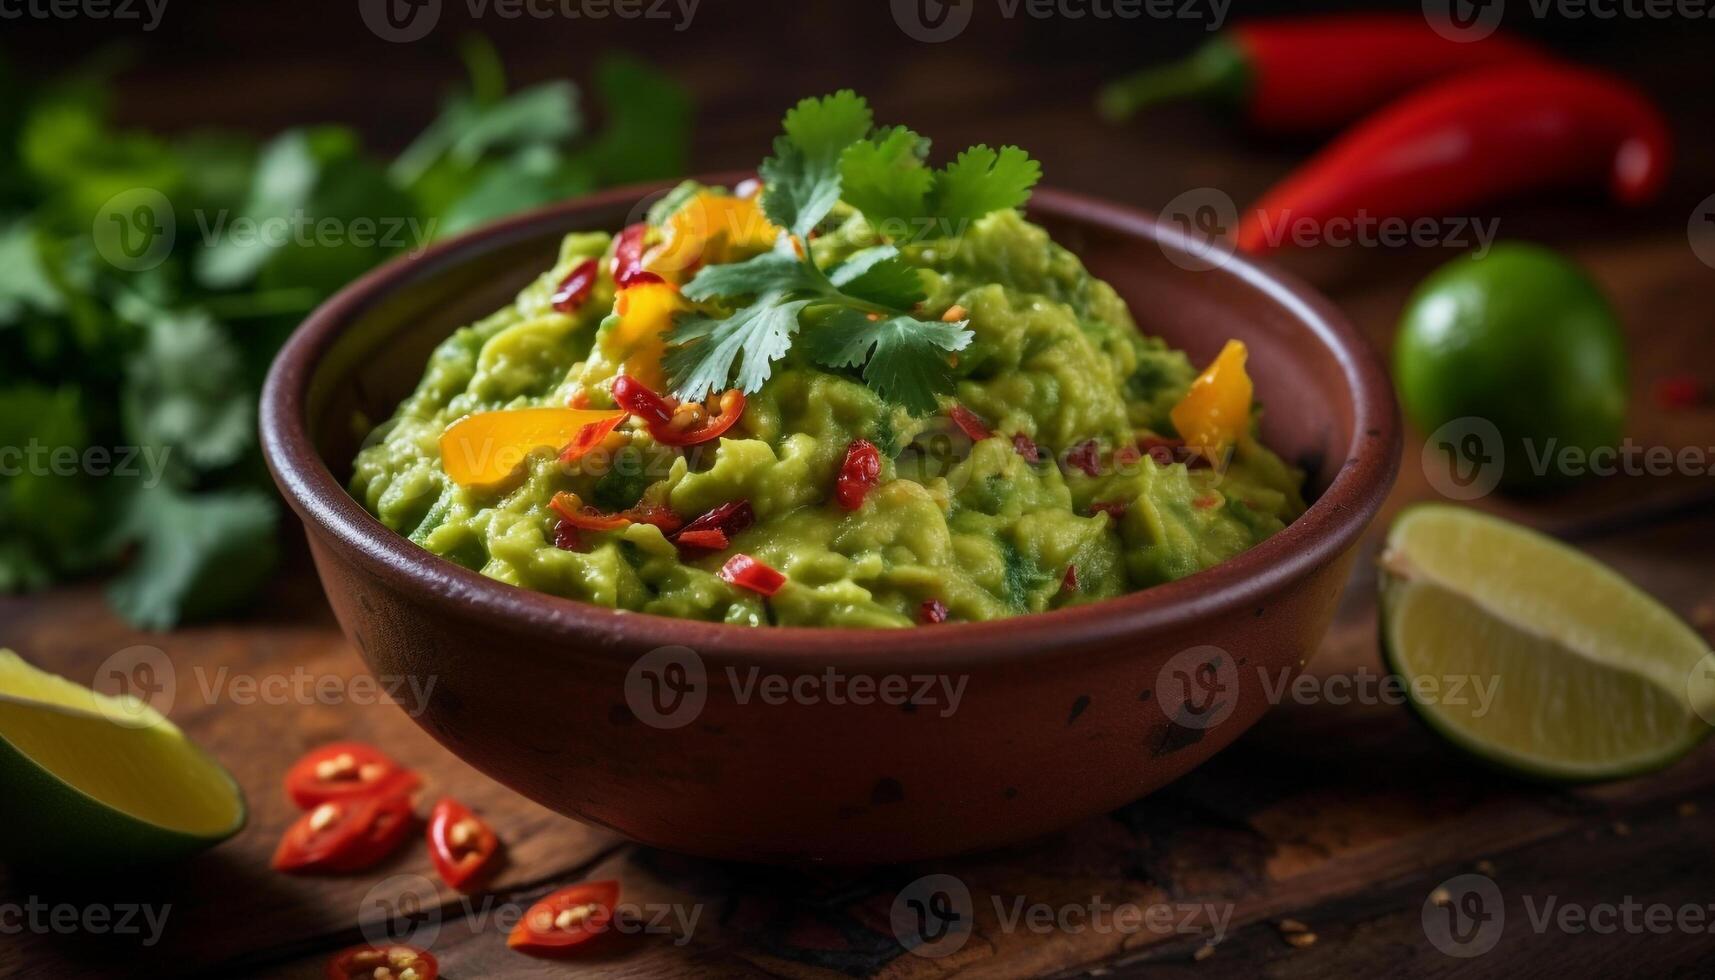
{"type": "Point", "coordinates": [761, 409]}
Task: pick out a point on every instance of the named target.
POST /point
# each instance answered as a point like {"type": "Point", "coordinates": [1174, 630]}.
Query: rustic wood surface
{"type": "Point", "coordinates": [1342, 817]}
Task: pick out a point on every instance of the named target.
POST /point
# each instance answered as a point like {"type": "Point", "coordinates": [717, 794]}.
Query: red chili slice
{"type": "Point", "coordinates": [932, 611]}
{"type": "Point", "coordinates": [566, 537]}
{"type": "Point", "coordinates": [628, 252]}
{"type": "Point", "coordinates": [858, 475]}
{"type": "Point", "coordinates": [344, 770]}
{"type": "Point", "coordinates": [659, 413]}
{"type": "Point", "coordinates": [748, 573]}
{"type": "Point", "coordinates": [460, 845]}
{"type": "Point", "coordinates": [969, 423]}
{"type": "Point", "coordinates": [1113, 508]}
{"type": "Point", "coordinates": [566, 919]}
{"type": "Point", "coordinates": [575, 289]}
{"type": "Point", "coordinates": [1087, 457]}
{"type": "Point", "coordinates": [589, 437]}
{"type": "Point", "coordinates": [345, 835]}
{"type": "Point", "coordinates": [658, 515]}
{"type": "Point", "coordinates": [1026, 447]}
{"type": "Point", "coordinates": [363, 962]}
{"type": "Point", "coordinates": [637, 277]}
{"type": "Point", "coordinates": [732, 518]}
{"type": "Point", "coordinates": [572, 511]}
{"type": "Point", "coordinates": [1070, 582]}
{"type": "Point", "coordinates": [711, 539]}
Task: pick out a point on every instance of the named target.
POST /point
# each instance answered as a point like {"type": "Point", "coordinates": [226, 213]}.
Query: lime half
{"type": "Point", "coordinates": [94, 781]}
{"type": "Point", "coordinates": [1535, 657]}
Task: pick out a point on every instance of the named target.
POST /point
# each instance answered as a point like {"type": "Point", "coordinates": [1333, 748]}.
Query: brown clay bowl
{"type": "Point", "coordinates": [1061, 715]}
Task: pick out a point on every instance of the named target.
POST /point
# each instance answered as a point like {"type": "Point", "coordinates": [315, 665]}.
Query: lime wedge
{"type": "Point", "coordinates": [95, 781]}
{"type": "Point", "coordinates": [1535, 657]}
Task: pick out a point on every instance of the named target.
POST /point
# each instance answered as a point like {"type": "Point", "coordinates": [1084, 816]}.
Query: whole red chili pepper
{"type": "Point", "coordinates": [1311, 74]}
{"type": "Point", "coordinates": [1467, 141]}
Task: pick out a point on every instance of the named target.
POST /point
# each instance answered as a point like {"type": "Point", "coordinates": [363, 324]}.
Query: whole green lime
{"type": "Point", "coordinates": [1520, 339]}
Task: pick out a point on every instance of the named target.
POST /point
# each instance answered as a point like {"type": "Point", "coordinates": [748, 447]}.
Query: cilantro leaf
{"type": "Point", "coordinates": [779, 272]}
{"type": "Point", "coordinates": [907, 358]}
{"type": "Point", "coordinates": [706, 348]}
{"type": "Point", "coordinates": [803, 176]}
{"type": "Point", "coordinates": [982, 180]}
{"type": "Point", "coordinates": [877, 275]}
{"type": "Point", "coordinates": [198, 554]}
{"type": "Point", "coordinates": [884, 177]}
{"type": "Point", "coordinates": [185, 391]}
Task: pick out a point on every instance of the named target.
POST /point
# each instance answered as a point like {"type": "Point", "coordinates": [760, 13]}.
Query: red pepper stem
{"type": "Point", "coordinates": [1218, 72]}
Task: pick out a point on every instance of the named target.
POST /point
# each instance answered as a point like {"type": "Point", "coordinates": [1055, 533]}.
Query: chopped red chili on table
{"type": "Point", "coordinates": [859, 474]}
{"type": "Point", "coordinates": [932, 611]}
{"type": "Point", "coordinates": [461, 845]}
{"type": "Point", "coordinates": [748, 573]}
{"type": "Point", "coordinates": [969, 423]}
{"type": "Point", "coordinates": [394, 962]}
{"type": "Point", "coordinates": [345, 770]}
{"type": "Point", "coordinates": [566, 919]}
{"type": "Point", "coordinates": [1069, 582]}
{"type": "Point", "coordinates": [574, 290]}
{"type": "Point", "coordinates": [1026, 447]}
{"type": "Point", "coordinates": [345, 835]}
{"type": "Point", "coordinates": [1086, 456]}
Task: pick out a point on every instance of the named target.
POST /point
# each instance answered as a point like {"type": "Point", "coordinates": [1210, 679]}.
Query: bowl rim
{"type": "Point", "coordinates": [1328, 527]}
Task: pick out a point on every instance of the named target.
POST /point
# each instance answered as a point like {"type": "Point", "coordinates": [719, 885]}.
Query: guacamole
{"type": "Point", "coordinates": [1047, 470]}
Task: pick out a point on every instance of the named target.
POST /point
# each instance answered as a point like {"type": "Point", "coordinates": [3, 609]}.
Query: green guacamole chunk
{"type": "Point", "coordinates": [1054, 367]}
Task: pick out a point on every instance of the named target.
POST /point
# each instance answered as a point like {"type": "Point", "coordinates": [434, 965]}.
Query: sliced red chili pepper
{"type": "Point", "coordinates": [932, 611]}
{"type": "Point", "coordinates": [343, 770]}
{"type": "Point", "coordinates": [628, 252]}
{"type": "Point", "coordinates": [566, 919]}
{"type": "Point", "coordinates": [859, 474]}
{"type": "Point", "coordinates": [637, 277]}
{"type": "Point", "coordinates": [657, 514]}
{"type": "Point", "coordinates": [748, 573]}
{"type": "Point", "coordinates": [659, 413]}
{"type": "Point", "coordinates": [1308, 73]}
{"type": "Point", "coordinates": [461, 845]}
{"type": "Point", "coordinates": [573, 512]}
{"type": "Point", "coordinates": [731, 518]}
{"type": "Point", "coordinates": [1678, 393]}
{"type": "Point", "coordinates": [1026, 447]}
{"type": "Point", "coordinates": [575, 289]}
{"type": "Point", "coordinates": [969, 423]}
{"type": "Point", "coordinates": [1069, 582]}
{"type": "Point", "coordinates": [589, 437]}
{"type": "Point", "coordinates": [1466, 141]}
{"type": "Point", "coordinates": [1113, 508]}
{"type": "Point", "coordinates": [566, 537]}
{"type": "Point", "coordinates": [1086, 456]}
{"type": "Point", "coordinates": [345, 835]}
{"type": "Point", "coordinates": [368, 962]}
{"type": "Point", "coordinates": [710, 540]}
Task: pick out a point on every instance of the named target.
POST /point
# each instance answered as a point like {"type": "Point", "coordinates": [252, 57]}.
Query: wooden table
{"type": "Point", "coordinates": [1314, 842]}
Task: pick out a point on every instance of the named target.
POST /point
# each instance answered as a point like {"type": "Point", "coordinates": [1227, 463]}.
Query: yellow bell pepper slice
{"type": "Point", "coordinates": [639, 340]}
{"type": "Point", "coordinates": [483, 449]}
{"type": "Point", "coordinates": [1216, 411]}
{"type": "Point", "coordinates": [711, 229]}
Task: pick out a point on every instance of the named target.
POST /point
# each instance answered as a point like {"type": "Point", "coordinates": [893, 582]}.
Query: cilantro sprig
{"type": "Point", "coordinates": [863, 312]}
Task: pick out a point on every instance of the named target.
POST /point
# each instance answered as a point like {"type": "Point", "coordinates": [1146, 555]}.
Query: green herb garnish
{"type": "Point", "coordinates": [861, 313]}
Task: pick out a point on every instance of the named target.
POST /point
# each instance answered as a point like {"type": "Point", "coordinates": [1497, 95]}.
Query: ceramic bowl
{"type": "Point", "coordinates": [797, 745]}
